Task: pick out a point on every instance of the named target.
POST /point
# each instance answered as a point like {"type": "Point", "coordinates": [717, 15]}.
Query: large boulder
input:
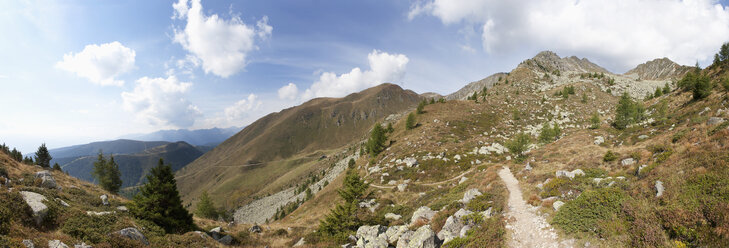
{"type": "Point", "coordinates": [216, 233]}
{"type": "Point", "coordinates": [659, 188]}
{"type": "Point", "coordinates": [404, 239]}
{"type": "Point", "coordinates": [627, 161]}
{"type": "Point", "coordinates": [469, 195]}
{"type": "Point", "coordinates": [133, 234]}
{"type": "Point", "coordinates": [570, 174]}
{"type": "Point", "coordinates": [422, 238]}
{"type": "Point", "coordinates": [226, 240]}
{"type": "Point", "coordinates": [47, 180]}
{"type": "Point", "coordinates": [395, 232]}
{"type": "Point", "coordinates": [28, 243]}
{"type": "Point", "coordinates": [255, 229]}
{"type": "Point", "coordinates": [35, 201]}
{"type": "Point", "coordinates": [104, 200]}
{"type": "Point", "coordinates": [423, 213]}
{"type": "Point", "coordinates": [372, 236]}
{"type": "Point", "coordinates": [453, 225]}
{"type": "Point", "coordinates": [56, 244]}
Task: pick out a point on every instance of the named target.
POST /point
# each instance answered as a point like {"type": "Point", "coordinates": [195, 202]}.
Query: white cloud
{"type": "Point", "coordinates": [161, 102]}
{"type": "Point", "coordinates": [621, 33]}
{"type": "Point", "coordinates": [100, 64]}
{"type": "Point", "coordinates": [222, 45]}
{"type": "Point", "coordinates": [384, 67]}
{"type": "Point", "coordinates": [289, 91]}
{"type": "Point", "coordinates": [242, 108]}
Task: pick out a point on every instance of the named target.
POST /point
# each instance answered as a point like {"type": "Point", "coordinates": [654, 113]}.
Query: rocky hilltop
{"type": "Point", "coordinates": [659, 69]}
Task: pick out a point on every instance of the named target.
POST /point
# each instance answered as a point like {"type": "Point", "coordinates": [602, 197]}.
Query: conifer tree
{"type": "Point", "coordinates": [159, 201]}
{"type": "Point", "coordinates": [56, 166]}
{"type": "Point", "coordinates": [205, 207]}
{"type": "Point", "coordinates": [343, 220]}
{"type": "Point", "coordinates": [43, 157]}
{"type": "Point", "coordinates": [421, 105]}
{"type": "Point", "coordinates": [627, 112]}
{"type": "Point", "coordinates": [376, 142]}
{"type": "Point", "coordinates": [114, 176]}
{"type": "Point", "coordinates": [410, 122]}
{"type": "Point", "coordinates": [595, 121]}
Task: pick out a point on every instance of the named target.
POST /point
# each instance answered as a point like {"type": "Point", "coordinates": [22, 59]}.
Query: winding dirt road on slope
{"type": "Point", "coordinates": [527, 227]}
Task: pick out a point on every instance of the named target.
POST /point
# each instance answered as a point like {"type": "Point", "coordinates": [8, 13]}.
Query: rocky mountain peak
{"type": "Point", "coordinates": [659, 69]}
{"type": "Point", "coordinates": [548, 61]}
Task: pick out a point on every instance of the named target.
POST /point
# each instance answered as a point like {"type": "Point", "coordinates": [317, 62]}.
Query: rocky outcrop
{"type": "Point", "coordinates": [453, 226]}
{"type": "Point", "coordinates": [627, 161]}
{"type": "Point", "coordinates": [104, 200]}
{"type": "Point", "coordinates": [28, 243]}
{"type": "Point", "coordinates": [56, 244]}
{"type": "Point", "coordinates": [570, 174]}
{"type": "Point", "coordinates": [422, 213]}
{"type": "Point", "coordinates": [548, 61]}
{"type": "Point", "coordinates": [133, 234]}
{"type": "Point", "coordinates": [659, 69]}
{"type": "Point", "coordinates": [35, 201]}
{"type": "Point", "coordinates": [466, 91]}
{"type": "Point", "coordinates": [469, 195]}
{"type": "Point", "coordinates": [392, 216]}
{"type": "Point", "coordinates": [423, 238]}
{"type": "Point", "coordinates": [47, 180]}
{"type": "Point", "coordinates": [372, 236]}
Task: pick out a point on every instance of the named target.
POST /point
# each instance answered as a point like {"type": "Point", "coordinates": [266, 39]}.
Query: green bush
{"type": "Point", "coordinates": [480, 203]}
{"type": "Point", "coordinates": [456, 242]}
{"type": "Point", "coordinates": [555, 187]}
{"type": "Point", "coordinates": [519, 144]}
{"type": "Point", "coordinates": [3, 171]}
{"type": "Point", "coordinates": [410, 122]}
{"type": "Point", "coordinates": [93, 229]}
{"type": "Point", "coordinates": [725, 83]}
{"type": "Point", "coordinates": [589, 209]}
{"type": "Point", "coordinates": [609, 156]}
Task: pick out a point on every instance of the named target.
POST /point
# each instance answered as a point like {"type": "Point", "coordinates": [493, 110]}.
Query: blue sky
{"type": "Point", "coordinates": [79, 71]}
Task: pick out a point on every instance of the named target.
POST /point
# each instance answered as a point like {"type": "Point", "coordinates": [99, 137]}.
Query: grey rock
{"type": "Point", "coordinates": [104, 200]}
{"type": "Point", "coordinates": [255, 229]}
{"type": "Point", "coordinates": [557, 204]}
{"type": "Point", "coordinates": [82, 245]}
{"type": "Point", "coordinates": [401, 187]}
{"type": "Point", "coordinates": [300, 242]}
{"type": "Point", "coordinates": [392, 216]}
{"type": "Point", "coordinates": [627, 161]}
{"type": "Point", "coordinates": [216, 233]}
{"type": "Point", "coordinates": [463, 180]}
{"type": "Point", "coordinates": [453, 225]}
{"type": "Point", "coordinates": [404, 239]}
{"type": "Point", "coordinates": [47, 180]}
{"type": "Point", "coordinates": [122, 208]}
{"type": "Point", "coordinates": [94, 213]}
{"type": "Point", "coordinates": [394, 232]}
{"type": "Point", "coordinates": [28, 243]}
{"type": "Point", "coordinates": [35, 201]}
{"type": "Point", "coordinates": [56, 244]}
{"type": "Point", "coordinates": [133, 234]}
{"type": "Point", "coordinates": [659, 188]}
{"type": "Point", "coordinates": [714, 121]}
{"type": "Point", "coordinates": [226, 240]}
{"type": "Point", "coordinates": [422, 213]}
{"type": "Point", "coordinates": [569, 174]}
{"type": "Point", "coordinates": [643, 136]}
{"type": "Point", "coordinates": [599, 140]}
{"type": "Point", "coordinates": [640, 168]}
{"type": "Point", "coordinates": [422, 238]}
{"type": "Point", "coordinates": [469, 195]}
{"type": "Point", "coordinates": [63, 203]}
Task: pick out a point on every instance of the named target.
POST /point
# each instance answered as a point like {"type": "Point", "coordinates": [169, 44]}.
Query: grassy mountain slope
{"type": "Point", "coordinates": [275, 144]}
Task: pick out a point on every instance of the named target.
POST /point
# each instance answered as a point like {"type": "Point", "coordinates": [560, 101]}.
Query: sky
{"type": "Point", "coordinates": [76, 71]}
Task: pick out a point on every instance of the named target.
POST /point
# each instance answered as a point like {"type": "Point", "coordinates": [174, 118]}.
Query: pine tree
{"type": "Point", "coordinates": [353, 188]}
{"type": "Point", "coordinates": [56, 166]}
{"type": "Point", "coordinates": [627, 112]}
{"type": "Point", "coordinates": [43, 157]}
{"type": "Point", "coordinates": [159, 201]}
{"type": "Point", "coordinates": [342, 220]}
{"type": "Point", "coordinates": [658, 93]}
{"type": "Point", "coordinates": [101, 171]}
{"type": "Point", "coordinates": [205, 207]}
{"type": "Point", "coordinates": [376, 142]}
{"type": "Point", "coordinates": [421, 106]}
{"type": "Point", "coordinates": [666, 89]}
{"type": "Point", "coordinates": [519, 144]}
{"type": "Point", "coordinates": [390, 129]}
{"type": "Point", "coordinates": [114, 176]}
{"type": "Point", "coordinates": [410, 122]}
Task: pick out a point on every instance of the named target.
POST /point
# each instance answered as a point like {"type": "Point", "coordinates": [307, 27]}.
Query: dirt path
{"type": "Point", "coordinates": [528, 228]}
{"type": "Point", "coordinates": [426, 184]}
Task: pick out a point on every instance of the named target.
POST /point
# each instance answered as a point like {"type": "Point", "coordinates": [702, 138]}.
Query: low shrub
{"type": "Point", "coordinates": [555, 187]}
{"type": "Point", "coordinates": [93, 229]}
{"type": "Point", "coordinates": [480, 203]}
{"type": "Point", "coordinates": [609, 156]}
{"type": "Point", "coordinates": [585, 212]}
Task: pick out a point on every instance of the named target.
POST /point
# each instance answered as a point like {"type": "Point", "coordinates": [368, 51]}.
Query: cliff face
{"type": "Point", "coordinates": [659, 69]}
